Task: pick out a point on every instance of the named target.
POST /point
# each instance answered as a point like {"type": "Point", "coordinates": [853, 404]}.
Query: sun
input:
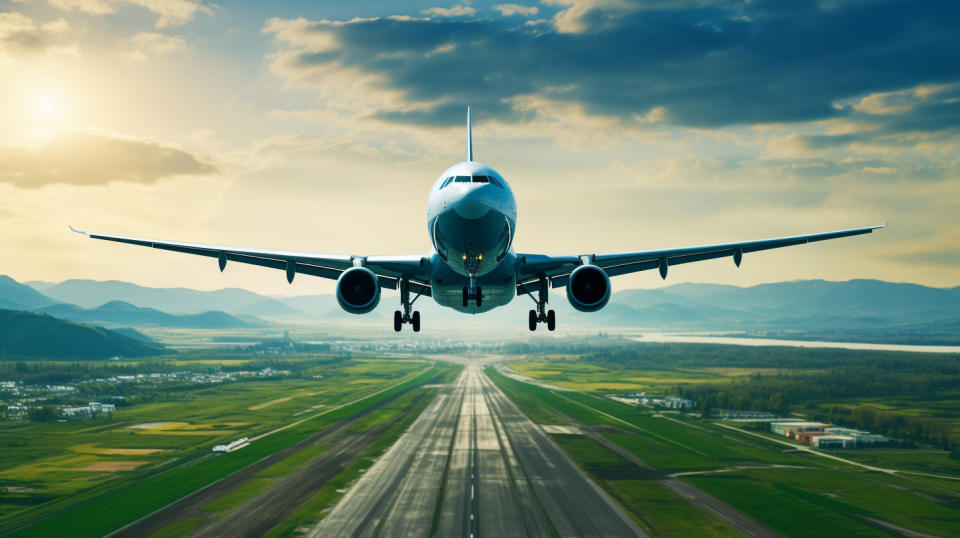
{"type": "Point", "coordinates": [46, 106]}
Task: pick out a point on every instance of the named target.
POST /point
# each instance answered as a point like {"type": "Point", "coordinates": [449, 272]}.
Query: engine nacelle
{"type": "Point", "coordinates": [588, 289]}
{"type": "Point", "coordinates": [358, 290]}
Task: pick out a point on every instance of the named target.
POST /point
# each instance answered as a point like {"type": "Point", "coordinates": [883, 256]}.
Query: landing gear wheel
{"type": "Point", "coordinates": [397, 320]}
{"type": "Point", "coordinates": [551, 320]}
{"type": "Point", "coordinates": [466, 296]}
{"type": "Point", "coordinates": [415, 321]}
{"type": "Point", "coordinates": [479, 297]}
{"type": "Point", "coordinates": [533, 320]}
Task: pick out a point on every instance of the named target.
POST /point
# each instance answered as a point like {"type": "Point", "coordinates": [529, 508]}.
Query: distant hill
{"type": "Point", "coordinates": [30, 335]}
{"type": "Point", "coordinates": [133, 333]}
{"type": "Point", "coordinates": [860, 310]}
{"type": "Point", "coordinates": [815, 297]}
{"type": "Point", "coordinates": [267, 307]}
{"type": "Point", "coordinates": [93, 293]}
{"type": "Point", "coordinates": [123, 313]}
{"type": "Point", "coordinates": [16, 296]}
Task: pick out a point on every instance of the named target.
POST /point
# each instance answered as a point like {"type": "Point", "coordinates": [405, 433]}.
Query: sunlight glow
{"type": "Point", "coordinates": [46, 106]}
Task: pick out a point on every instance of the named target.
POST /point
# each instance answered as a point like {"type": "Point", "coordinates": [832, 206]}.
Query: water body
{"type": "Point", "coordinates": [743, 341]}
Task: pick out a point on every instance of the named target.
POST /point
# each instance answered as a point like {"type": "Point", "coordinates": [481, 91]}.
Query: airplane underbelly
{"type": "Point", "coordinates": [498, 287]}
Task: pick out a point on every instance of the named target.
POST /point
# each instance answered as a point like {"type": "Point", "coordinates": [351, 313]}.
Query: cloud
{"type": "Point", "coordinates": [508, 10]}
{"type": "Point", "coordinates": [9, 214]}
{"type": "Point", "coordinates": [171, 12]}
{"type": "Point", "coordinates": [95, 158]}
{"type": "Point", "coordinates": [924, 119]}
{"type": "Point", "coordinates": [94, 7]}
{"type": "Point", "coordinates": [20, 35]}
{"type": "Point", "coordinates": [720, 65]}
{"type": "Point", "coordinates": [141, 47]}
{"type": "Point", "coordinates": [455, 11]}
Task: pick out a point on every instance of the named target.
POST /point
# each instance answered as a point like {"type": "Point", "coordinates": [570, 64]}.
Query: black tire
{"type": "Point", "coordinates": [397, 320]}
{"type": "Point", "coordinates": [479, 297]}
{"type": "Point", "coordinates": [465, 297]}
{"type": "Point", "coordinates": [533, 320]}
{"type": "Point", "coordinates": [416, 321]}
{"type": "Point", "coordinates": [551, 320]}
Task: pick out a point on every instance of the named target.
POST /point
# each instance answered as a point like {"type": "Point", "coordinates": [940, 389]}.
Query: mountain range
{"type": "Point", "coordinates": [860, 310]}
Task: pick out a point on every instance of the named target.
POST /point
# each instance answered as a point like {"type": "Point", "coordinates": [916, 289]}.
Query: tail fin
{"type": "Point", "coordinates": [469, 137]}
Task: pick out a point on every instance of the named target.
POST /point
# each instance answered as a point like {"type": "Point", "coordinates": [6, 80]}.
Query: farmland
{"type": "Point", "coordinates": [143, 456]}
{"type": "Point", "coordinates": [642, 455]}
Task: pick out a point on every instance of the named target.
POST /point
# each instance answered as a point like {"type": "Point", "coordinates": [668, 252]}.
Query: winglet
{"type": "Point", "coordinates": [469, 137]}
{"type": "Point", "coordinates": [72, 229]}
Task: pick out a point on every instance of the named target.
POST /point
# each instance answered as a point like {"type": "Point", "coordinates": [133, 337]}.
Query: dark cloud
{"type": "Point", "coordinates": [90, 158]}
{"type": "Point", "coordinates": [735, 63]}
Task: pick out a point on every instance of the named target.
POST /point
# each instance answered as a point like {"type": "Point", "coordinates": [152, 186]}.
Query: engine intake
{"type": "Point", "coordinates": [588, 289]}
{"type": "Point", "coordinates": [358, 290]}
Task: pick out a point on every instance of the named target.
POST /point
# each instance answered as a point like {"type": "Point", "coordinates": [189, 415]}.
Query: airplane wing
{"type": "Point", "coordinates": [557, 269]}
{"type": "Point", "coordinates": [389, 269]}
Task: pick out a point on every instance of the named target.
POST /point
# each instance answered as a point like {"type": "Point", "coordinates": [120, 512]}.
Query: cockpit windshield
{"type": "Point", "coordinates": [471, 179]}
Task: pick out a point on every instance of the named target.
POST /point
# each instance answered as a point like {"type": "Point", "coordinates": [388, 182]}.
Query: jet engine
{"type": "Point", "coordinates": [588, 289]}
{"type": "Point", "coordinates": [358, 290]}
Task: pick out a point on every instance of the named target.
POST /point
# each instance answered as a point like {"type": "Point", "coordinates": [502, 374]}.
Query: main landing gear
{"type": "Point", "coordinates": [541, 314]}
{"type": "Point", "coordinates": [406, 316]}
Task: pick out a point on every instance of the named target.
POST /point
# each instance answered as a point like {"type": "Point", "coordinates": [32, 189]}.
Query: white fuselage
{"type": "Point", "coordinates": [471, 220]}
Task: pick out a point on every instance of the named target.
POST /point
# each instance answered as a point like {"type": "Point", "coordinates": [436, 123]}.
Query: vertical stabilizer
{"type": "Point", "coordinates": [469, 137]}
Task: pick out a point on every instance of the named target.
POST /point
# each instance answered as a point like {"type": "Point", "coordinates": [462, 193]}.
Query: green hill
{"type": "Point", "coordinates": [18, 296]}
{"type": "Point", "coordinates": [25, 335]}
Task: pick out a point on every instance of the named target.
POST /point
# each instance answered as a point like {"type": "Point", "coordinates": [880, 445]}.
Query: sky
{"type": "Point", "coordinates": [621, 125]}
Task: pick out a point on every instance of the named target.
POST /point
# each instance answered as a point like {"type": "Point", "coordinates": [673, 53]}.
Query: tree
{"type": "Point", "coordinates": [47, 413]}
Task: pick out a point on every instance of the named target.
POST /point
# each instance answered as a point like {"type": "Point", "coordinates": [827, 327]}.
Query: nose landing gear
{"type": "Point", "coordinates": [408, 315]}
{"type": "Point", "coordinates": [476, 294]}
{"type": "Point", "coordinates": [541, 314]}
{"type": "Point", "coordinates": [472, 293]}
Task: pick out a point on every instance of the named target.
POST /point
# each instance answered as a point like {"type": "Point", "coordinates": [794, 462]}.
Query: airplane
{"type": "Point", "coordinates": [472, 267]}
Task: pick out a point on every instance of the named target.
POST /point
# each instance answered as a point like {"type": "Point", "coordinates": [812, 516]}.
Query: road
{"type": "Point", "coordinates": [473, 465]}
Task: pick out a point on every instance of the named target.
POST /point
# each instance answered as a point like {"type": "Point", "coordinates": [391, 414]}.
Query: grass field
{"type": "Point", "coordinates": [41, 469]}
{"type": "Point", "coordinates": [794, 493]}
{"type": "Point", "coordinates": [658, 509]}
{"type": "Point", "coordinates": [572, 373]}
{"type": "Point", "coordinates": [402, 414]}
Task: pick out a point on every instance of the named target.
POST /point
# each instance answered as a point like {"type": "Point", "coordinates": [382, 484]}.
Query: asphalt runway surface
{"type": "Point", "coordinates": [473, 465]}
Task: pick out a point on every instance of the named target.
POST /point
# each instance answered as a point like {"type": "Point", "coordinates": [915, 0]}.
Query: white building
{"type": "Point", "coordinates": [76, 412]}
{"type": "Point", "coordinates": [829, 442]}
{"type": "Point", "coordinates": [861, 437]}
{"type": "Point", "coordinates": [782, 428]}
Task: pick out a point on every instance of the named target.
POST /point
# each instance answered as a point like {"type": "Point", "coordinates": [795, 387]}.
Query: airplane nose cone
{"type": "Point", "coordinates": [473, 205]}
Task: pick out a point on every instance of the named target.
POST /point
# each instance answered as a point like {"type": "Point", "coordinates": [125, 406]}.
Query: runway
{"type": "Point", "coordinates": [473, 465]}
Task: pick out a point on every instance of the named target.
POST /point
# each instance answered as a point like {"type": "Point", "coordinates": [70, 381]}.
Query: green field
{"type": "Point", "coordinates": [793, 492]}
{"type": "Point", "coordinates": [148, 455]}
